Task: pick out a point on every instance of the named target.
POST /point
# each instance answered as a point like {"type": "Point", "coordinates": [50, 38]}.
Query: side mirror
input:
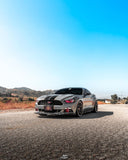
{"type": "Point", "coordinates": [86, 94]}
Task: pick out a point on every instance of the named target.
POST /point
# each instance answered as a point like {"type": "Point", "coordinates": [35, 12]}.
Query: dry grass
{"type": "Point", "coordinates": [16, 105]}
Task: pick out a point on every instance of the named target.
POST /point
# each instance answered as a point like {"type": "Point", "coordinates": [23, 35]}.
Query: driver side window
{"type": "Point", "coordinates": [86, 92]}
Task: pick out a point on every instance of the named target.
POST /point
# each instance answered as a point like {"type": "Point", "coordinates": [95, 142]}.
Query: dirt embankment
{"type": "Point", "coordinates": [16, 105]}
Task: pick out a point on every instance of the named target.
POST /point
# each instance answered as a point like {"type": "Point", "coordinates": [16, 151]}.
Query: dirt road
{"type": "Point", "coordinates": [96, 136]}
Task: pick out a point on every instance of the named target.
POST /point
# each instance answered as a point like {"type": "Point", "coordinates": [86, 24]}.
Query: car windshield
{"type": "Point", "coordinates": [77, 91]}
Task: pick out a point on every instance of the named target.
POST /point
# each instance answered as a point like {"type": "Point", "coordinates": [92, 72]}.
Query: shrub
{"type": "Point", "coordinates": [113, 101]}
{"type": "Point", "coordinates": [126, 102]}
{"type": "Point", "coordinates": [31, 99]}
{"type": "Point", "coordinates": [20, 99]}
{"type": "Point", "coordinates": [5, 100]}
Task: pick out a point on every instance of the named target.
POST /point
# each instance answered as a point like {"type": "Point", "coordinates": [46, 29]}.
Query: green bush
{"type": "Point", "coordinates": [5, 100]}
{"type": "Point", "coordinates": [126, 102]}
{"type": "Point", "coordinates": [31, 99]}
{"type": "Point", "coordinates": [113, 101]}
{"type": "Point", "coordinates": [20, 99]}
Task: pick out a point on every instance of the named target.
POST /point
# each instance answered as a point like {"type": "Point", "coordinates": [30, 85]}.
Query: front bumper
{"type": "Point", "coordinates": [57, 110]}
{"type": "Point", "coordinates": [53, 113]}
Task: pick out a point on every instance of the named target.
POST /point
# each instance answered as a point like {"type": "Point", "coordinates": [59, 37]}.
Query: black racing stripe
{"type": "Point", "coordinates": [48, 97]}
{"type": "Point", "coordinates": [52, 98]}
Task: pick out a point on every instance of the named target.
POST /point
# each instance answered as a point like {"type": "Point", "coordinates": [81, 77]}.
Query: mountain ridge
{"type": "Point", "coordinates": [22, 91]}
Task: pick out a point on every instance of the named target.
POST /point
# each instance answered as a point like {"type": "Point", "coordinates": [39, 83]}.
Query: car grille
{"type": "Point", "coordinates": [53, 111]}
{"type": "Point", "coordinates": [46, 102]}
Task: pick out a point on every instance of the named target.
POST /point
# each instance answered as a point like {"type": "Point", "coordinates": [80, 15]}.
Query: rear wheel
{"type": "Point", "coordinates": [95, 107]}
{"type": "Point", "coordinates": [79, 110]}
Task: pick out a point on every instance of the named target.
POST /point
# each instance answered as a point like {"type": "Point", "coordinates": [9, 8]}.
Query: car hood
{"type": "Point", "coordinates": [59, 97]}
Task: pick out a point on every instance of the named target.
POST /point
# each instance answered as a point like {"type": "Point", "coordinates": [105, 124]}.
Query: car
{"type": "Point", "coordinates": [75, 101]}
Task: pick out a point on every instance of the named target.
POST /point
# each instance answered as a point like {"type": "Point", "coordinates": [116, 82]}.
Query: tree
{"type": "Point", "coordinates": [114, 98]}
{"type": "Point", "coordinates": [119, 98]}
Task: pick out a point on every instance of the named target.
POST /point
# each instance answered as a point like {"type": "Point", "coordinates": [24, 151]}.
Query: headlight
{"type": "Point", "coordinates": [70, 100]}
{"type": "Point", "coordinates": [37, 101]}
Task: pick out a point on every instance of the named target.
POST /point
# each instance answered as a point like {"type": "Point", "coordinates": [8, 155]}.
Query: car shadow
{"type": "Point", "coordinates": [91, 115]}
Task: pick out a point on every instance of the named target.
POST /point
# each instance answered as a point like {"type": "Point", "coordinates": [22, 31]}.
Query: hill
{"type": "Point", "coordinates": [22, 91]}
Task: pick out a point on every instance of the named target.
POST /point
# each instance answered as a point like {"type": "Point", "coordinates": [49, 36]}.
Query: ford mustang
{"type": "Point", "coordinates": [76, 101]}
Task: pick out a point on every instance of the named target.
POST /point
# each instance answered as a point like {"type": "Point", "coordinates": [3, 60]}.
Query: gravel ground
{"type": "Point", "coordinates": [103, 135]}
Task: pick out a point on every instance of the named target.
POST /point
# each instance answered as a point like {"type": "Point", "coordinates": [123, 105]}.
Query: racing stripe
{"type": "Point", "coordinates": [48, 97]}
{"type": "Point", "coordinates": [52, 98]}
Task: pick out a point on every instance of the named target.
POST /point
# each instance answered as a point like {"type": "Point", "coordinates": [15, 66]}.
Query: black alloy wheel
{"type": "Point", "coordinates": [95, 107]}
{"type": "Point", "coordinates": [79, 110]}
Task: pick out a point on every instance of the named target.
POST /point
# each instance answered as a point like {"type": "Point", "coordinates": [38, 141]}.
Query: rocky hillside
{"type": "Point", "coordinates": [22, 91]}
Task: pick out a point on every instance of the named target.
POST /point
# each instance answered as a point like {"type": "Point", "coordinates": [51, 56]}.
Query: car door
{"type": "Point", "coordinates": [87, 100]}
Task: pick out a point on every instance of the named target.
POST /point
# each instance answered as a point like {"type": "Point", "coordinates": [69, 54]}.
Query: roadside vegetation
{"type": "Point", "coordinates": [115, 99]}
{"type": "Point", "coordinates": [118, 100]}
{"type": "Point", "coordinates": [16, 103]}
{"type": "Point", "coordinates": [19, 98]}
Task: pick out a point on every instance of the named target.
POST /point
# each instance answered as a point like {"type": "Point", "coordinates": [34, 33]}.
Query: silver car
{"type": "Point", "coordinates": [76, 101]}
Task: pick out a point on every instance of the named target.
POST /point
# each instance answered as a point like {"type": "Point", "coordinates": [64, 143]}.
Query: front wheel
{"type": "Point", "coordinates": [79, 110]}
{"type": "Point", "coordinates": [95, 107]}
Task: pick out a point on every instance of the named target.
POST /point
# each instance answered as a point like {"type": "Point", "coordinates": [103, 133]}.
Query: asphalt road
{"type": "Point", "coordinates": [96, 136]}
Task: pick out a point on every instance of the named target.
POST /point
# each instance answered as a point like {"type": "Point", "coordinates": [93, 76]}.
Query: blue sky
{"type": "Point", "coordinates": [51, 44]}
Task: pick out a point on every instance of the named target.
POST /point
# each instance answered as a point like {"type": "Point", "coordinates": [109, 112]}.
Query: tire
{"type": "Point", "coordinates": [79, 110]}
{"type": "Point", "coordinates": [95, 107]}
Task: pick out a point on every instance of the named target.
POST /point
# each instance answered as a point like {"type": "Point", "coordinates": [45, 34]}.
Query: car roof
{"type": "Point", "coordinates": [73, 88]}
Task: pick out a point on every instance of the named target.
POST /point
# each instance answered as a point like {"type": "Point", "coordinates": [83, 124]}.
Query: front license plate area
{"type": "Point", "coordinates": [48, 108]}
